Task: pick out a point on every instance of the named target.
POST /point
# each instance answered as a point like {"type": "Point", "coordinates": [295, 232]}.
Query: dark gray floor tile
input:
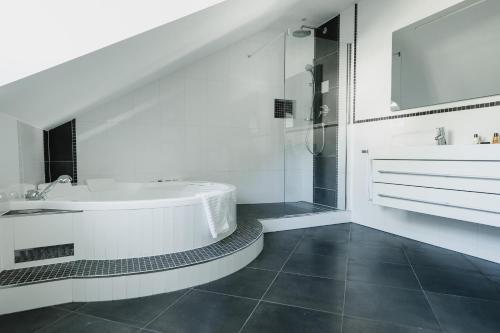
{"type": "Point", "coordinates": [30, 321]}
{"type": "Point", "coordinates": [284, 240]}
{"type": "Point", "coordinates": [457, 282]}
{"type": "Point", "coordinates": [205, 312]}
{"type": "Point", "coordinates": [332, 233]}
{"type": "Point", "coordinates": [135, 311]}
{"type": "Point", "coordinates": [270, 258]}
{"type": "Point", "coordinates": [322, 247]}
{"type": "Point", "coordinates": [392, 275]}
{"type": "Point", "coordinates": [247, 282]}
{"type": "Point", "coordinates": [413, 245]}
{"type": "Point", "coordinates": [495, 279]}
{"type": "Point", "coordinates": [440, 260]}
{"type": "Point", "coordinates": [352, 325]}
{"type": "Point", "coordinates": [361, 251]}
{"type": "Point", "coordinates": [71, 306]}
{"type": "Point", "coordinates": [466, 315]}
{"type": "Point", "coordinates": [274, 318]}
{"type": "Point", "coordinates": [317, 265]}
{"type": "Point", "coordinates": [368, 236]}
{"type": "Point", "coordinates": [308, 292]}
{"type": "Point", "coordinates": [80, 323]}
{"type": "Point", "coordinates": [485, 266]}
{"type": "Point", "coordinates": [399, 306]}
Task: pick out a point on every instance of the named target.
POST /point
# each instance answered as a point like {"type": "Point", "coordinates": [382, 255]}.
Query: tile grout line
{"type": "Point", "coordinates": [497, 285]}
{"type": "Point", "coordinates": [56, 321]}
{"type": "Point", "coordinates": [390, 322]}
{"type": "Point", "coordinates": [70, 312]}
{"type": "Point", "coordinates": [267, 301]}
{"type": "Point", "coordinates": [300, 274]}
{"type": "Point", "coordinates": [166, 309]}
{"type": "Point", "coordinates": [345, 280]}
{"type": "Point", "coordinates": [423, 291]}
{"type": "Point", "coordinates": [272, 283]}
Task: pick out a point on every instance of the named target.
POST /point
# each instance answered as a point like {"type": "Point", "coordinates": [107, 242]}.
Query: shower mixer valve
{"type": "Point", "coordinates": [324, 109]}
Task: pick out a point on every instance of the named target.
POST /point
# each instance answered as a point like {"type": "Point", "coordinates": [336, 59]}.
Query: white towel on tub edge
{"type": "Point", "coordinates": [217, 207]}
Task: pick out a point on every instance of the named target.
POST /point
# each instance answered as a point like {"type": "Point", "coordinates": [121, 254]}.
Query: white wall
{"type": "Point", "coordinates": [376, 22]}
{"type": "Point", "coordinates": [9, 156]}
{"type": "Point", "coordinates": [21, 157]}
{"type": "Point", "coordinates": [31, 168]}
{"type": "Point", "coordinates": [211, 120]}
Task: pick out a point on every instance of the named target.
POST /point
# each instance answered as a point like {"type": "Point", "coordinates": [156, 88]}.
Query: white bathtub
{"type": "Point", "coordinates": [131, 220]}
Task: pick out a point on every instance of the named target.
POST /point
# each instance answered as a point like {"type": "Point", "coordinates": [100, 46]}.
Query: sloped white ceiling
{"type": "Point", "coordinates": [37, 35]}
{"type": "Point", "coordinates": [52, 96]}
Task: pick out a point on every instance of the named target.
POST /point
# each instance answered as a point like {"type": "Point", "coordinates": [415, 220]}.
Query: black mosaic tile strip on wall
{"type": "Point", "coordinates": [434, 111]}
{"type": "Point", "coordinates": [283, 108]}
{"type": "Point", "coordinates": [245, 235]}
{"type": "Point", "coordinates": [60, 152]}
{"type": "Point", "coordinates": [43, 253]}
{"type": "Point", "coordinates": [355, 58]}
{"type": "Point", "coordinates": [73, 146]}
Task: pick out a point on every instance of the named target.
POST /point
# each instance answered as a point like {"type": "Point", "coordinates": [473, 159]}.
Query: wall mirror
{"type": "Point", "coordinates": [453, 55]}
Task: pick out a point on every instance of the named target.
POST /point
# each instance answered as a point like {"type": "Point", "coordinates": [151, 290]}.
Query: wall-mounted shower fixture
{"type": "Point", "coordinates": [304, 31]}
{"type": "Point", "coordinates": [324, 109]}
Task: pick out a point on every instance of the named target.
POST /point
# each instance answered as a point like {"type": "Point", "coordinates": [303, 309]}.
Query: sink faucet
{"type": "Point", "coordinates": [42, 195]}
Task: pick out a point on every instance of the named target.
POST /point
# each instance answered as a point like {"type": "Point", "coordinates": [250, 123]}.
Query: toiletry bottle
{"type": "Point", "coordinates": [496, 139]}
{"type": "Point", "coordinates": [476, 140]}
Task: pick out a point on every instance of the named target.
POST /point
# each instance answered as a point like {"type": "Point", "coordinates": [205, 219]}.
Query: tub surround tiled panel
{"type": "Point", "coordinates": [87, 280]}
{"type": "Point", "coordinates": [245, 235]}
{"type": "Point", "coordinates": [112, 234]}
{"type": "Point", "coordinates": [60, 152]}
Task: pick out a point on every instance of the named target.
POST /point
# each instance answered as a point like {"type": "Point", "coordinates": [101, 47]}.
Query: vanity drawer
{"type": "Point", "coordinates": [467, 206]}
{"type": "Point", "coordinates": [475, 176]}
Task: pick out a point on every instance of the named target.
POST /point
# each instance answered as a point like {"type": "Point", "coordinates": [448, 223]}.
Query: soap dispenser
{"type": "Point", "coordinates": [496, 139]}
{"type": "Point", "coordinates": [476, 139]}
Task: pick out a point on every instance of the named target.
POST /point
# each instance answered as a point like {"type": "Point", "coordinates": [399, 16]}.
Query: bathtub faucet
{"type": "Point", "coordinates": [42, 195]}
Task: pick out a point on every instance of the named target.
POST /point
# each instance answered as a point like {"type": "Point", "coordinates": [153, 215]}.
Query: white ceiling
{"type": "Point", "coordinates": [54, 95]}
{"type": "Point", "coordinates": [37, 35]}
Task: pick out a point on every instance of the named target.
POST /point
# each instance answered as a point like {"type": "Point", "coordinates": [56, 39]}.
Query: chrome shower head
{"type": "Point", "coordinates": [304, 31]}
{"type": "Point", "coordinates": [309, 68]}
{"type": "Point", "coordinates": [301, 33]}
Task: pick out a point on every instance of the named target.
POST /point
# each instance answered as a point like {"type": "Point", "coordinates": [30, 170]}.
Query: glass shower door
{"type": "Point", "coordinates": [315, 129]}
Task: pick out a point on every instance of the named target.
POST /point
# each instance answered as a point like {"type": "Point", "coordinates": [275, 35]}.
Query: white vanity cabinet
{"type": "Point", "coordinates": [459, 182]}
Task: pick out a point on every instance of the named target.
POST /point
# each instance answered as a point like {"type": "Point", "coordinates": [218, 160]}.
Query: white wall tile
{"type": "Point", "coordinates": [212, 116]}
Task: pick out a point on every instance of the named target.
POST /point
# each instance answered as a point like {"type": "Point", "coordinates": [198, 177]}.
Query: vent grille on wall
{"type": "Point", "coordinates": [42, 253]}
{"type": "Point", "coordinates": [283, 107]}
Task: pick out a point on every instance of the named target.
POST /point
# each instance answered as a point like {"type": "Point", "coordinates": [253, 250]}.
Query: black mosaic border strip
{"type": "Point", "coordinates": [245, 234]}
{"type": "Point", "coordinates": [43, 253]}
{"type": "Point", "coordinates": [355, 58]}
{"type": "Point", "coordinates": [73, 145]}
{"type": "Point", "coordinates": [434, 111]}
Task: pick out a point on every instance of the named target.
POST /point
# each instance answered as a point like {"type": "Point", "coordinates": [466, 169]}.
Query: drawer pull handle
{"type": "Point", "coordinates": [435, 175]}
{"type": "Point", "coordinates": [435, 203]}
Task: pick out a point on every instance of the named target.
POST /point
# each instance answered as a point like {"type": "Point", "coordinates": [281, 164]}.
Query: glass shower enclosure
{"type": "Point", "coordinates": [315, 126]}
